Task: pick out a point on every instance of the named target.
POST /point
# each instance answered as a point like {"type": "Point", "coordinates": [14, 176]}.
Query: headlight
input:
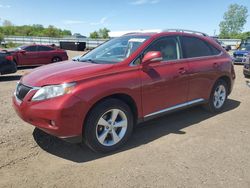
{"type": "Point", "coordinates": [52, 91]}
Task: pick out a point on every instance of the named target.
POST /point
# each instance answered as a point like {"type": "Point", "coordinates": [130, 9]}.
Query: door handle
{"type": "Point", "coordinates": [182, 70]}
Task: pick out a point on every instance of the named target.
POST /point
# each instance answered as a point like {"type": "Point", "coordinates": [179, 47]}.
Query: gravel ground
{"type": "Point", "coordinates": [191, 148]}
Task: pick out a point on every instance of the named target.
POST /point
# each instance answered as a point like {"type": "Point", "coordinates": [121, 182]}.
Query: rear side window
{"type": "Point", "coordinates": [195, 47]}
{"type": "Point", "coordinates": [30, 49]}
{"type": "Point", "coordinates": [44, 48]}
{"type": "Point", "coordinates": [168, 46]}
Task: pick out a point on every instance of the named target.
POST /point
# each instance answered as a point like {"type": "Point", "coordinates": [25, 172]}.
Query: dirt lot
{"type": "Point", "coordinates": [191, 148]}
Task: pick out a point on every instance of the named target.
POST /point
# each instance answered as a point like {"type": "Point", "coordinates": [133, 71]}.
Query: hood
{"type": "Point", "coordinates": [64, 72]}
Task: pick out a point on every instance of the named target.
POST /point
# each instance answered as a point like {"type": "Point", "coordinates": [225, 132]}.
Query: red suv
{"type": "Point", "coordinates": [126, 80]}
{"type": "Point", "coordinates": [38, 55]}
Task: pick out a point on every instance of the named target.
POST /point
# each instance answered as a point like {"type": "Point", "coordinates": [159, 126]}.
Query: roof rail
{"type": "Point", "coordinates": [186, 31]}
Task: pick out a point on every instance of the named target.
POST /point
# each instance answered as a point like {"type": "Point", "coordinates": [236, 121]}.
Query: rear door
{"type": "Point", "coordinates": [28, 56]}
{"type": "Point", "coordinates": [204, 66]}
{"type": "Point", "coordinates": [45, 54]}
{"type": "Point", "coordinates": [165, 83]}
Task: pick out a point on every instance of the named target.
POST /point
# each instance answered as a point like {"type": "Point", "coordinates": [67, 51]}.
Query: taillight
{"type": "Point", "coordinates": [9, 58]}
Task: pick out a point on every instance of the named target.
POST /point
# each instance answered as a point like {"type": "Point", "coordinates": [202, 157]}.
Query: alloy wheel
{"type": "Point", "coordinates": [219, 96]}
{"type": "Point", "coordinates": [111, 127]}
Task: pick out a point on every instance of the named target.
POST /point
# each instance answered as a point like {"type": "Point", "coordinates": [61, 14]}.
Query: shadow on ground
{"type": "Point", "coordinates": [144, 133]}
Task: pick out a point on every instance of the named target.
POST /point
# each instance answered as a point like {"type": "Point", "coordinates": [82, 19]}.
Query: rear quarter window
{"type": "Point", "coordinates": [195, 47]}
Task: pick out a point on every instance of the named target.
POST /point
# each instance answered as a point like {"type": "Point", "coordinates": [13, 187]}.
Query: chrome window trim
{"type": "Point", "coordinates": [181, 51]}
{"type": "Point", "coordinates": [175, 107]}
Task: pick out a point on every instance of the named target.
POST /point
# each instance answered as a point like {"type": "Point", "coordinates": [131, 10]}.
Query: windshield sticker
{"type": "Point", "coordinates": [137, 40]}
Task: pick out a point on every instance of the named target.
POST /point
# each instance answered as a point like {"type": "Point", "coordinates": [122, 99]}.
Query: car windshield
{"type": "Point", "coordinates": [247, 48]}
{"type": "Point", "coordinates": [19, 48]}
{"type": "Point", "coordinates": [115, 50]}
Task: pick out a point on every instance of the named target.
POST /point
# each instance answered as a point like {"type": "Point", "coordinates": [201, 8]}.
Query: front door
{"type": "Point", "coordinates": [28, 56]}
{"type": "Point", "coordinates": [164, 83]}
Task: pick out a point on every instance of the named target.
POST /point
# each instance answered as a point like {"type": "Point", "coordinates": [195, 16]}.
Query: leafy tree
{"type": "Point", "coordinates": [234, 20]}
{"type": "Point", "coordinates": [33, 30]}
{"type": "Point", "coordinates": [104, 33]}
{"type": "Point", "coordinates": [100, 34]}
{"type": "Point", "coordinates": [1, 37]}
{"type": "Point", "coordinates": [94, 35]}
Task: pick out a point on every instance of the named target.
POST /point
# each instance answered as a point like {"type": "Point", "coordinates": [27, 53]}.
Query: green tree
{"type": "Point", "coordinates": [104, 33]}
{"type": "Point", "coordinates": [1, 37]}
{"type": "Point", "coordinates": [33, 30]}
{"type": "Point", "coordinates": [94, 35]}
{"type": "Point", "coordinates": [234, 20]}
{"type": "Point", "coordinates": [100, 34]}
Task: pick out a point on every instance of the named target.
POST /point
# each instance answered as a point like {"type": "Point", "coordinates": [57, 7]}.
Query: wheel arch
{"type": "Point", "coordinates": [228, 82]}
{"type": "Point", "coordinates": [122, 97]}
{"type": "Point", "coordinates": [56, 56]}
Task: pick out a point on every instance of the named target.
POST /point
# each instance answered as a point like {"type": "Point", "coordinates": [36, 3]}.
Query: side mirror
{"type": "Point", "coordinates": [152, 56]}
{"type": "Point", "coordinates": [22, 51]}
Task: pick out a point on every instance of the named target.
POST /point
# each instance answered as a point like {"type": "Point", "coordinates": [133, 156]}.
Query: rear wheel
{"type": "Point", "coordinates": [218, 97]}
{"type": "Point", "coordinates": [108, 125]}
{"type": "Point", "coordinates": [56, 59]}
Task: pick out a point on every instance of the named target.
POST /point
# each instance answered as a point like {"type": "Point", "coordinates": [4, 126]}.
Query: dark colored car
{"type": "Point", "coordinates": [7, 65]}
{"type": "Point", "coordinates": [239, 56]}
{"type": "Point", "coordinates": [38, 55]}
{"type": "Point", "coordinates": [101, 97]}
{"type": "Point", "coordinates": [246, 69]}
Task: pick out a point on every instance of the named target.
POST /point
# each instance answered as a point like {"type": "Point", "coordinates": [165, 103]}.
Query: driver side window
{"type": "Point", "coordinates": [168, 46]}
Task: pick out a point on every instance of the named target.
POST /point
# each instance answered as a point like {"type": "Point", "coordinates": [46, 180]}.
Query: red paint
{"type": "Point", "coordinates": [152, 86]}
{"type": "Point", "coordinates": [38, 57]}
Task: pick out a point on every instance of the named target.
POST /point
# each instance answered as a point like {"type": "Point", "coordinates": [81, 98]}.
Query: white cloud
{"type": "Point", "coordinates": [102, 21]}
{"type": "Point", "coordinates": [72, 22]}
{"type": "Point", "coordinates": [143, 2]}
{"type": "Point", "coordinates": [5, 6]}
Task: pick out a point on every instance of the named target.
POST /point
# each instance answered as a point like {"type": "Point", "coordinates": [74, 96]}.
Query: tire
{"type": "Point", "coordinates": [218, 97]}
{"type": "Point", "coordinates": [56, 59]}
{"type": "Point", "coordinates": [100, 131]}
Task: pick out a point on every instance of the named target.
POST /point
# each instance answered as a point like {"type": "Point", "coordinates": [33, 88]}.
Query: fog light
{"type": "Point", "coordinates": [53, 123]}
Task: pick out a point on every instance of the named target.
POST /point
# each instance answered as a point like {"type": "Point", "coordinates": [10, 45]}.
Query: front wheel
{"type": "Point", "coordinates": [218, 97]}
{"type": "Point", "coordinates": [108, 126]}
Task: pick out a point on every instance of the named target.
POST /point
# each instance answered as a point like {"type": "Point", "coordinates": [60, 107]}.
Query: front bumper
{"type": "Point", "coordinates": [62, 116]}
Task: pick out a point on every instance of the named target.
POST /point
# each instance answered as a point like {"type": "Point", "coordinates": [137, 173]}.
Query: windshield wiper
{"type": "Point", "coordinates": [88, 60]}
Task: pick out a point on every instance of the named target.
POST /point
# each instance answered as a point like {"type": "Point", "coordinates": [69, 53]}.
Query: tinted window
{"type": "Point", "coordinates": [195, 47]}
{"type": "Point", "coordinates": [44, 48]}
{"type": "Point", "coordinates": [168, 46]}
{"type": "Point", "coordinates": [30, 49]}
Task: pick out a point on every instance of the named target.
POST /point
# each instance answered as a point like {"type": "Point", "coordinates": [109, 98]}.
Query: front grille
{"type": "Point", "coordinates": [21, 91]}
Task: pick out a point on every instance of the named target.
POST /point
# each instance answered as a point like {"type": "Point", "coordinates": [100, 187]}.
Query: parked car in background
{"type": "Point", "coordinates": [226, 47]}
{"type": "Point", "coordinates": [246, 69]}
{"type": "Point", "coordinates": [129, 79]}
{"type": "Point", "coordinates": [239, 56]}
{"type": "Point", "coordinates": [7, 65]}
{"type": "Point", "coordinates": [37, 55]}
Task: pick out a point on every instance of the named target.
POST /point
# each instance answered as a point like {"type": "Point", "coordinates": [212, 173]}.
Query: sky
{"type": "Point", "coordinates": [83, 17]}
